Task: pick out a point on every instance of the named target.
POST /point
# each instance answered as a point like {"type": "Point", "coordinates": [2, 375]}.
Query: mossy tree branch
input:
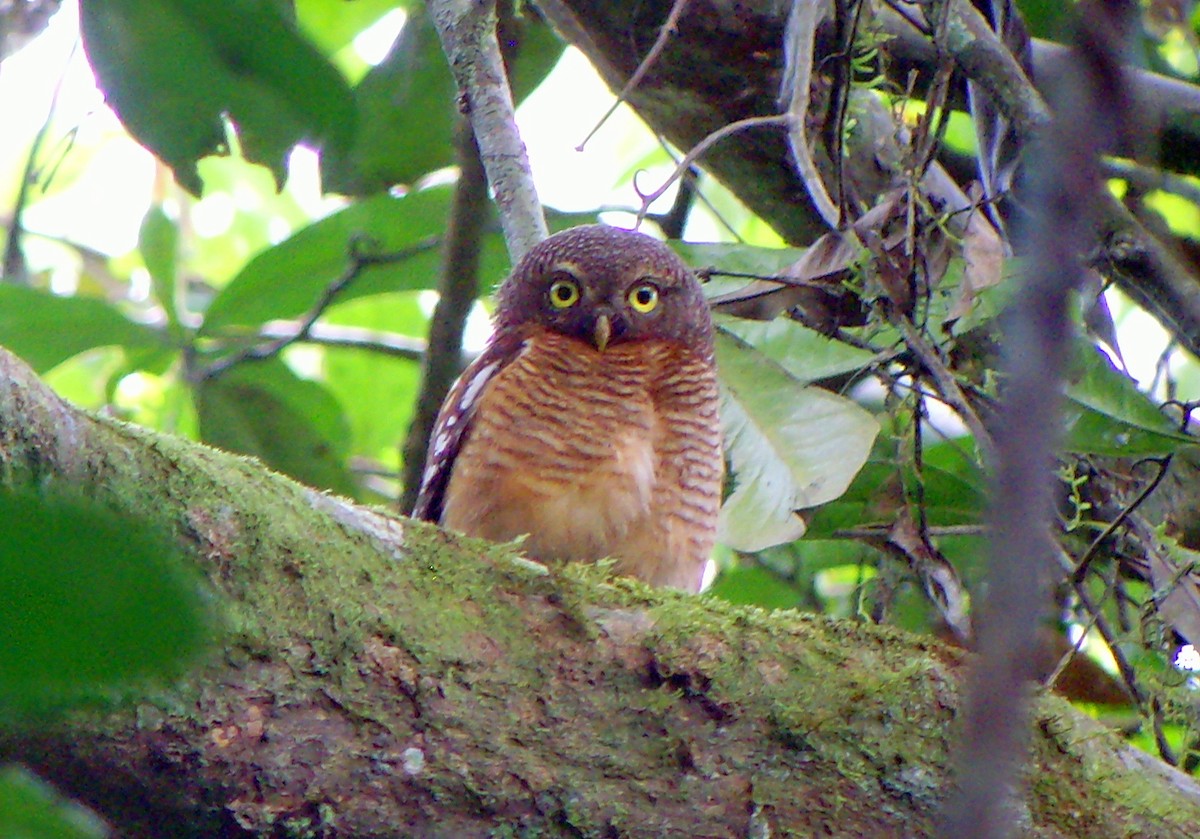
{"type": "Point", "coordinates": [378, 677]}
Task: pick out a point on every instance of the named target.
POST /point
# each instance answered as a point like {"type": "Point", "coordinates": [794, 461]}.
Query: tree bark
{"type": "Point", "coordinates": [378, 677]}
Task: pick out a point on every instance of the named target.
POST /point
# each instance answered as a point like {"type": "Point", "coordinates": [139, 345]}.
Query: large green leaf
{"type": "Point", "coordinates": [89, 601]}
{"type": "Point", "coordinates": [805, 353]}
{"type": "Point", "coordinates": [174, 70]}
{"type": "Point", "coordinates": [334, 24]}
{"type": "Point", "coordinates": [1106, 413]}
{"type": "Point", "coordinates": [45, 329]}
{"type": "Point", "coordinates": [293, 425]}
{"type": "Point", "coordinates": [406, 116]}
{"type": "Point", "coordinates": [32, 809]}
{"type": "Point", "coordinates": [789, 446]}
{"type": "Point", "coordinates": [953, 490]}
{"type": "Point", "coordinates": [408, 108]}
{"type": "Point", "coordinates": [378, 425]}
{"type": "Point", "coordinates": [288, 279]}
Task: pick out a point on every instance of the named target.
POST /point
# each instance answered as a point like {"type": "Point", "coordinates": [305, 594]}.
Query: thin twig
{"type": "Point", "coordinates": [1081, 569]}
{"type": "Point", "coordinates": [881, 530]}
{"type": "Point", "coordinates": [350, 338]}
{"type": "Point", "coordinates": [1128, 674]}
{"type": "Point", "coordinates": [673, 221]}
{"type": "Point", "coordinates": [699, 149]}
{"type": "Point", "coordinates": [359, 262]}
{"type": "Point", "coordinates": [664, 32]}
{"type": "Point", "coordinates": [948, 388]}
{"type": "Point", "coordinates": [467, 30]}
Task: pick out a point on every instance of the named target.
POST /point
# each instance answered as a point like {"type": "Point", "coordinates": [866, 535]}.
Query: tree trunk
{"type": "Point", "coordinates": [378, 677]}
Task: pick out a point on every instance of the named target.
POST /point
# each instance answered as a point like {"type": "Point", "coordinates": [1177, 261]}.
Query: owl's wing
{"type": "Point", "coordinates": [453, 424]}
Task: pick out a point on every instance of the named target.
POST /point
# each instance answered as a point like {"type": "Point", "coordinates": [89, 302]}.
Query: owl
{"type": "Point", "coordinates": [589, 423]}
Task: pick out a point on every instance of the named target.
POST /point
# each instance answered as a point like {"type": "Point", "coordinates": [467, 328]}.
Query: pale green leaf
{"type": "Point", "coordinates": [805, 353]}
{"type": "Point", "coordinates": [789, 447]}
{"type": "Point", "coordinates": [46, 329]}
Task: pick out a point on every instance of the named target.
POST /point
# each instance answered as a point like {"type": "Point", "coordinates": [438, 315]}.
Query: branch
{"type": "Point", "coordinates": [1065, 174]}
{"type": "Point", "coordinates": [457, 289]}
{"type": "Point", "coordinates": [379, 677]}
{"type": "Point", "coordinates": [467, 29]}
{"type": "Point", "coordinates": [359, 262]}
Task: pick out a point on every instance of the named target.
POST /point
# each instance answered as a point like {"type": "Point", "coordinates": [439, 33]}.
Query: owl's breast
{"type": "Point", "coordinates": [562, 448]}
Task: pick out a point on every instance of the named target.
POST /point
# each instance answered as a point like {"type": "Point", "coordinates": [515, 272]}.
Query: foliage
{"type": "Point", "coordinates": [293, 331]}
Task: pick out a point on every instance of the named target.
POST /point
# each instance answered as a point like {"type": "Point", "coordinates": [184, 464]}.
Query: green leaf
{"type": "Point", "coordinates": [286, 280]}
{"type": "Point", "coordinates": [90, 601]}
{"type": "Point", "coordinates": [45, 329]}
{"type": "Point", "coordinates": [789, 446]}
{"type": "Point", "coordinates": [1106, 413]}
{"type": "Point", "coordinates": [408, 108]}
{"type": "Point", "coordinates": [158, 242]}
{"type": "Point", "coordinates": [31, 809]}
{"type": "Point", "coordinates": [293, 425]}
{"type": "Point", "coordinates": [953, 490]}
{"type": "Point", "coordinates": [406, 112]}
{"type": "Point", "coordinates": [174, 70]}
{"type": "Point", "coordinates": [334, 24]}
{"type": "Point", "coordinates": [378, 425]}
{"type": "Point", "coordinates": [805, 353]}
{"type": "Point", "coordinates": [755, 586]}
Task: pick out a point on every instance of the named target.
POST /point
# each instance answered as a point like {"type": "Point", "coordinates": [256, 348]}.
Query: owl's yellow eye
{"type": "Point", "coordinates": [564, 294]}
{"type": "Point", "coordinates": [643, 297]}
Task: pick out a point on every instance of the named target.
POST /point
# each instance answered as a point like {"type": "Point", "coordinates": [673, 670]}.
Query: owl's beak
{"type": "Point", "coordinates": [602, 331]}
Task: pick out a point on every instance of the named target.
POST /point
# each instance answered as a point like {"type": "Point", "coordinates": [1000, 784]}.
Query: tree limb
{"type": "Point", "coordinates": [379, 677]}
{"type": "Point", "coordinates": [468, 32]}
{"type": "Point", "coordinates": [458, 286]}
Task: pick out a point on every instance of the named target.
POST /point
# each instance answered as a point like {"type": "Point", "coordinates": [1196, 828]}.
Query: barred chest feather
{"type": "Point", "coordinates": [596, 454]}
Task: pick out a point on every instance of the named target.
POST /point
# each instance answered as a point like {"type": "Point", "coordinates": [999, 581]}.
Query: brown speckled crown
{"type": "Point", "coordinates": [607, 262]}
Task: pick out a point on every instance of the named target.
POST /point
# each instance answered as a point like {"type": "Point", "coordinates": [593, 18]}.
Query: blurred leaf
{"type": "Point", "coordinates": [158, 242]}
{"type": "Point", "coordinates": [286, 280]}
{"type": "Point", "coordinates": [806, 354]}
{"type": "Point", "coordinates": [378, 425]}
{"type": "Point", "coordinates": [408, 108]}
{"type": "Point", "coordinates": [174, 70]}
{"type": "Point", "coordinates": [1046, 18]}
{"type": "Point", "coordinates": [789, 446]}
{"type": "Point", "coordinates": [756, 586]}
{"type": "Point", "coordinates": [45, 329]}
{"type": "Point", "coordinates": [1107, 414]}
{"type": "Point", "coordinates": [293, 425]}
{"type": "Point", "coordinates": [32, 809]}
{"type": "Point", "coordinates": [334, 24]}
{"type": "Point", "coordinates": [953, 490]}
{"type": "Point", "coordinates": [89, 601]}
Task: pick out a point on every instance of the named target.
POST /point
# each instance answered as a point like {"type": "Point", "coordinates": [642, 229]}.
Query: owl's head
{"type": "Point", "coordinates": [606, 286]}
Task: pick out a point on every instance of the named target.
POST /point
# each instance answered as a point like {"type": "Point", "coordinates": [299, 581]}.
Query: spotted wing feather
{"type": "Point", "coordinates": [453, 425]}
